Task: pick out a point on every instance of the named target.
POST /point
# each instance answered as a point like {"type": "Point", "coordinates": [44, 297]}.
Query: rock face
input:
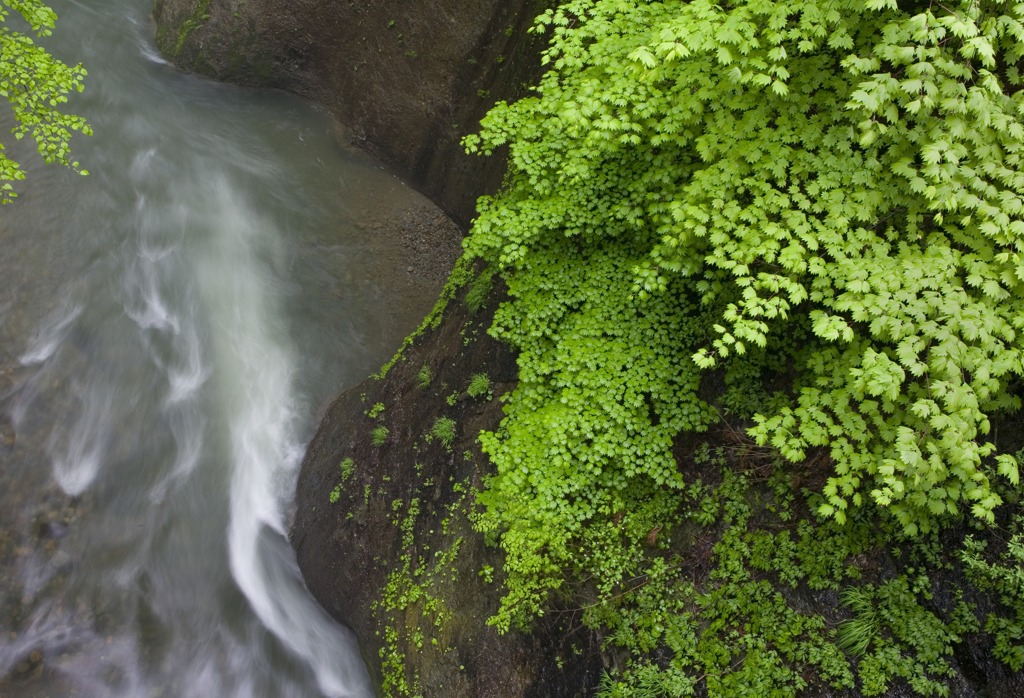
{"type": "Point", "coordinates": [383, 525]}
{"type": "Point", "coordinates": [407, 78]}
{"type": "Point", "coordinates": [394, 553]}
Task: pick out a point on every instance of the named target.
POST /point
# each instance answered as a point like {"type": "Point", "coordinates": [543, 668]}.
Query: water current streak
{"type": "Point", "coordinates": [161, 374]}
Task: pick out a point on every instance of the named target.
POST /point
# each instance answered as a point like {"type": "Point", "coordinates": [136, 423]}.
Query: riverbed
{"type": "Point", "coordinates": [171, 328]}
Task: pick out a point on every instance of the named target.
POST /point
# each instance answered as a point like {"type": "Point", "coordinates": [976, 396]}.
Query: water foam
{"type": "Point", "coordinates": [78, 456]}
{"type": "Point", "coordinates": [255, 369]}
{"type": "Point", "coordinates": [51, 334]}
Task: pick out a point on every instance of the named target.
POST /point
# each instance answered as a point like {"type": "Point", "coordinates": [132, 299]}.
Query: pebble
{"type": "Point", "coordinates": [7, 435]}
{"type": "Point", "coordinates": [30, 663]}
{"type": "Point", "coordinates": [60, 560]}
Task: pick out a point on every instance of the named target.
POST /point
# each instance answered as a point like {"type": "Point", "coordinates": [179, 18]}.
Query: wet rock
{"type": "Point", "coordinates": [7, 435]}
{"type": "Point", "coordinates": [29, 666]}
{"type": "Point", "coordinates": [61, 561]}
{"type": "Point", "coordinates": [52, 529]}
{"type": "Point", "coordinates": [347, 561]}
{"type": "Point", "coordinates": [406, 80]}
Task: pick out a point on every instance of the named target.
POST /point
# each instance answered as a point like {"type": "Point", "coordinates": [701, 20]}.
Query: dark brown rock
{"type": "Point", "coordinates": [407, 79]}
{"type": "Point", "coordinates": [351, 549]}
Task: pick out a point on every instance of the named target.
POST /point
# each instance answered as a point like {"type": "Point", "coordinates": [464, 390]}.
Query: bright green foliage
{"type": "Point", "coordinates": [35, 84]}
{"type": "Point", "coordinates": [444, 431]}
{"type": "Point", "coordinates": [731, 630]}
{"type": "Point", "coordinates": [424, 376]}
{"type": "Point", "coordinates": [906, 640]}
{"type": "Point", "coordinates": [1005, 576]}
{"type": "Point", "coordinates": [347, 467]}
{"type": "Point", "coordinates": [856, 634]}
{"type": "Point", "coordinates": [379, 435]}
{"type": "Point", "coordinates": [828, 187]}
{"type": "Point", "coordinates": [408, 604]}
{"type": "Point", "coordinates": [414, 608]}
{"type": "Point", "coordinates": [605, 385]}
{"type": "Point", "coordinates": [735, 623]}
{"type": "Point", "coordinates": [816, 207]}
{"type": "Point", "coordinates": [479, 289]}
{"type": "Point", "coordinates": [479, 385]}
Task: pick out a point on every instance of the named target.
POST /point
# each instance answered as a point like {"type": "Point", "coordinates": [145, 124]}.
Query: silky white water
{"type": "Point", "coordinates": [170, 328]}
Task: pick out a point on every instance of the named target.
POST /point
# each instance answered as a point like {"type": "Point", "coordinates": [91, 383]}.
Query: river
{"type": "Point", "coordinates": [171, 326]}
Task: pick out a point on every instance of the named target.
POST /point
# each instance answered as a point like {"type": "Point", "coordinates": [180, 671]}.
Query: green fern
{"type": "Point", "coordinates": [479, 290]}
{"type": "Point", "coordinates": [444, 431]}
{"type": "Point", "coordinates": [379, 435]}
{"type": "Point", "coordinates": [1004, 576]}
{"type": "Point", "coordinates": [479, 385]}
{"type": "Point", "coordinates": [347, 467]}
{"type": "Point", "coordinates": [424, 376]}
{"type": "Point", "coordinates": [855, 635]}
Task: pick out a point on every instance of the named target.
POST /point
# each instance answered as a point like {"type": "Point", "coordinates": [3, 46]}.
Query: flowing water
{"type": "Point", "coordinates": [170, 328]}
